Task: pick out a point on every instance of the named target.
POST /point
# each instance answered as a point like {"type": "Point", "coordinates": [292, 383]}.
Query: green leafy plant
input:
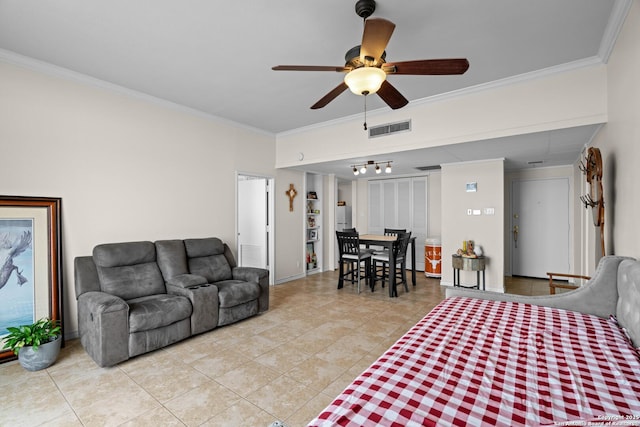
{"type": "Point", "coordinates": [41, 332]}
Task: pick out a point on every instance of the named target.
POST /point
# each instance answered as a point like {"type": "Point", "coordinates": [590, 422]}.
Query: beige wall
{"type": "Point", "coordinates": [434, 209]}
{"type": "Point", "coordinates": [125, 169]}
{"type": "Point", "coordinates": [290, 231]}
{"type": "Point", "coordinates": [619, 143]}
{"type": "Point", "coordinates": [557, 101]}
{"type": "Point", "coordinates": [485, 230]}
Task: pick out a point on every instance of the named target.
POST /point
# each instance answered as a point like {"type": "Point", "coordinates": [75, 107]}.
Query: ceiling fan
{"type": "Point", "coordinates": [366, 67]}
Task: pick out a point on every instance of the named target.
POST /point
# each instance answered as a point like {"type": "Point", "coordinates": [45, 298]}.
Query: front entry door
{"type": "Point", "coordinates": [540, 227]}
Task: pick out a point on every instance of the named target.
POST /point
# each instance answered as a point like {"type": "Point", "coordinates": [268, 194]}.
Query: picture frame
{"type": "Point", "coordinates": [313, 234]}
{"type": "Point", "coordinates": [30, 263]}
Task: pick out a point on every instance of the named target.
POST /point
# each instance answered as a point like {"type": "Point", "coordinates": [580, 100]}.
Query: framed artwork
{"type": "Point", "coordinates": [313, 234]}
{"type": "Point", "coordinates": [30, 263]}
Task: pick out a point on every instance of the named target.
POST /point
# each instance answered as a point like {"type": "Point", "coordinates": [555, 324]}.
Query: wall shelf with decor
{"type": "Point", "coordinates": [313, 224]}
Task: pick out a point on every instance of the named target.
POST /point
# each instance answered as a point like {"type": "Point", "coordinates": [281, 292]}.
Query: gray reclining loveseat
{"type": "Point", "coordinates": [136, 297]}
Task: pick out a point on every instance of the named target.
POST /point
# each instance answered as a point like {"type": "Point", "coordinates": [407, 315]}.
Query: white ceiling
{"type": "Point", "coordinates": [216, 57]}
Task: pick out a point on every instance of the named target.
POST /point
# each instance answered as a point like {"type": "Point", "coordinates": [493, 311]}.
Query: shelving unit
{"type": "Point", "coordinates": [313, 222]}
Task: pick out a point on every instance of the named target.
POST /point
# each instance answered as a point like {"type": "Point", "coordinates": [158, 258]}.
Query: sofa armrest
{"type": "Point", "coordinates": [103, 323]}
{"type": "Point", "coordinates": [186, 281]}
{"type": "Point", "coordinates": [255, 275]}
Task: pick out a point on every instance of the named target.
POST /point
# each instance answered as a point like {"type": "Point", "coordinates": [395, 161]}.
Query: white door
{"type": "Point", "coordinates": [540, 227]}
{"type": "Point", "coordinates": [252, 222]}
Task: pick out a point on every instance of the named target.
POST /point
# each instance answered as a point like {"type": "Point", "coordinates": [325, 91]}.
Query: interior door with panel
{"type": "Point", "coordinates": [252, 222]}
{"type": "Point", "coordinates": [400, 203]}
{"type": "Point", "coordinates": [540, 227]}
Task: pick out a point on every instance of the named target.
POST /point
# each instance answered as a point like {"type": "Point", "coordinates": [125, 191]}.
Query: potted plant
{"type": "Point", "coordinates": [37, 345]}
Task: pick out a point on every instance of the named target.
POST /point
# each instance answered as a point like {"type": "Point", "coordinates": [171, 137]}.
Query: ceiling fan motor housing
{"type": "Point", "coordinates": [365, 8]}
{"type": "Point", "coordinates": [352, 59]}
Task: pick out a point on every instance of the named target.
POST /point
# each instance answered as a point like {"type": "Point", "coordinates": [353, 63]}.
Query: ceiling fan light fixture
{"type": "Point", "coordinates": [365, 80]}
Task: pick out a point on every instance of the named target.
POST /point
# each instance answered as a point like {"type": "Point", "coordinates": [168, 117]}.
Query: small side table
{"type": "Point", "coordinates": [469, 264]}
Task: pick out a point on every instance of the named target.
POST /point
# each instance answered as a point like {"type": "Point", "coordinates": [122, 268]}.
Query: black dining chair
{"type": "Point", "coordinates": [394, 231]}
{"type": "Point", "coordinates": [399, 269]}
{"type": "Point", "coordinates": [390, 232]}
{"type": "Point", "coordinates": [351, 259]}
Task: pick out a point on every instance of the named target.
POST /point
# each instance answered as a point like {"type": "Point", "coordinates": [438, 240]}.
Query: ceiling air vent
{"type": "Point", "coordinates": [389, 128]}
{"type": "Point", "coordinates": [428, 168]}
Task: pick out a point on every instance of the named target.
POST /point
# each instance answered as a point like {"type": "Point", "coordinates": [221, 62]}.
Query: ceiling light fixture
{"type": "Point", "coordinates": [365, 80]}
{"type": "Point", "coordinates": [361, 168]}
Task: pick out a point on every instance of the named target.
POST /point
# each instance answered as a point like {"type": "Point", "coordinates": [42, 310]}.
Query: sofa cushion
{"type": "Point", "coordinates": [172, 258]}
{"type": "Point", "coordinates": [203, 247]}
{"type": "Point", "coordinates": [128, 270]}
{"type": "Point", "coordinates": [157, 311]}
{"type": "Point", "coordinates": [121, 254]}
{"type": "Point", "coordinates": [236, 292]}
{"type": "Point", "coordinates": [206, 258]}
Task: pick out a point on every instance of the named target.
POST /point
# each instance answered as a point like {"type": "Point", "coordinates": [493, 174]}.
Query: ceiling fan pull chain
{"type": "Point", "coordinates": [365, 112]}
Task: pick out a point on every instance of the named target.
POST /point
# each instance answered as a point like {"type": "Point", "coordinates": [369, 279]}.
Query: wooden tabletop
{"type": "Point", "coordinates": [378, 237]}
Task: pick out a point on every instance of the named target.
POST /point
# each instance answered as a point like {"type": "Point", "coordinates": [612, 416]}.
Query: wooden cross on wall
{"type": "Point", "coordinates": [291, 192]}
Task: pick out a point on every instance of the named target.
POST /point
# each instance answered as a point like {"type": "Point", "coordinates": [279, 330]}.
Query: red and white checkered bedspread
{"type": "Point", "coordinates": [473, 362]}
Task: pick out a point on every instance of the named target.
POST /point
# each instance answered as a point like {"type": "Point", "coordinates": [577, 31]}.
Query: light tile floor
{"type": "Point", "coordinates": [286, 364]}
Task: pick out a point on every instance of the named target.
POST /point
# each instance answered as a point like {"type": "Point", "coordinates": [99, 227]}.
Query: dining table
{"type": "Point", "coordinates": [387, 242]}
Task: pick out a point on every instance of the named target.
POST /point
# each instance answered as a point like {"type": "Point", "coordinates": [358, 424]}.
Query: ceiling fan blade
{"type": "Point", "coordinates": [391, 96]}
{"type": "Point", "coordinates": [376, 35]}
{"type": "Point", "coordinates": [428, 67]}
{"type": "Point", "coordinates": [308, 68]}
{"type": "Point", "coordinates": [330, 96]}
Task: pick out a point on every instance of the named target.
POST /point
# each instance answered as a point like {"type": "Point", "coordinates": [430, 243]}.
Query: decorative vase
{"type": "Point", "coordinates": [478, 250]}
{"type": "Point", "coordinates": [43, 357]}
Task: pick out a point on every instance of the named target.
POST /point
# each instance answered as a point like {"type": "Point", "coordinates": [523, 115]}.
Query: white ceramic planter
{"type": "Point", "coordinates": [44, 357]}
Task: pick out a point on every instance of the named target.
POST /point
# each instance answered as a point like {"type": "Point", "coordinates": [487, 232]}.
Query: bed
{"type": "Point", "coordinates": [484, 358]}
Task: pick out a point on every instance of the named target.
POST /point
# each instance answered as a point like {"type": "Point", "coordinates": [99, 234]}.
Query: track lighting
{"type": "Point", "coordinates": [362, 168]}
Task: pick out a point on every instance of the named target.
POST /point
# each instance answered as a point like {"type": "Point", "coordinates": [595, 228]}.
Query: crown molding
{"type": "Point", "coordinates": [614, 26]}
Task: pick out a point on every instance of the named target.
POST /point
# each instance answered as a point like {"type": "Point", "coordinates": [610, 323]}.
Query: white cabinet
{"type": "Point", "coordinates": [400, 203]}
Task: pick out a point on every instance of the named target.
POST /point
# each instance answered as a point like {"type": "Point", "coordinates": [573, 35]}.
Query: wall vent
{"type": "Point", "coordinates": [389, 128]}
